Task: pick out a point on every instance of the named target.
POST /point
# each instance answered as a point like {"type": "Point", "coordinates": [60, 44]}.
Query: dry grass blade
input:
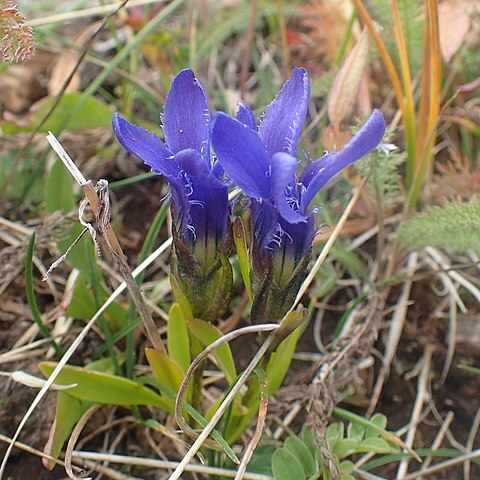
{"type": "Point", "coordinates": [88, 12]}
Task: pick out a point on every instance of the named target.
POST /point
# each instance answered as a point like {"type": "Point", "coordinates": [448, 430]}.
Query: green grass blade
{"type": "Point", "coordinates": [30, 294]}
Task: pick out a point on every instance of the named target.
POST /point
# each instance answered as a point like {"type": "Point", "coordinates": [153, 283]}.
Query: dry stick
{"type": "Point", "coordinates": [198, 360]}
{"type": "Point", "coordinates": [268, 341]}
{"type": "Point", "coordinates": [59, 95]}
{"type": "Point", "coordinates": [68, 354]}
{"type": "Point", "coordinates": [417, 407]}
{"type": "Point", "coordinates": [395, 332]}
{"type": "Point", "coordinates": [100, 206]}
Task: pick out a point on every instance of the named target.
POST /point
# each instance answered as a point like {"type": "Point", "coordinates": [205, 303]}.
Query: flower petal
{"type": "Point", "coordinates": [318, 173]}
{"type": "Point", "coordinates": [246, 116]}
{"type": "Point", "coordinates": [241, 153]}
{"type": "Point", "coordinates": [283, 170]}
{"type": "Point", "coordinates": [186, 118]}
{"type": "Point", "coordinates": [208, 206]}
{"type": "Point", "coordinates": [145, 145]}
{"type": "Point", "coordinates": [283, 120]}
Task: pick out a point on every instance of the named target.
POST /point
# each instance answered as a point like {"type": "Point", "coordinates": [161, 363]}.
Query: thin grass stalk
{"type": "Point", "coordinates": [409, 105]}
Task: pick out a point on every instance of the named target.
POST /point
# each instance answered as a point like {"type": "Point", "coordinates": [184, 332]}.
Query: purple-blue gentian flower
{"type": "Point", "coordinates": [199, 200]}
{"type": "Point", "coordinates": [261, 161]}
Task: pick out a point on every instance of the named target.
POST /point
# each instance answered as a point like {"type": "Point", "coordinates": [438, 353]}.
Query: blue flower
{"type": "Point", "coordinates": [199, 201]}
{"type": "Point", "coordinates": [201, 275]}
{"type": "Point", "coordinates": [262, 163]}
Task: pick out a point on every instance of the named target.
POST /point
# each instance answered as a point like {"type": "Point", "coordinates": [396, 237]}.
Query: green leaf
{"type": "Point", "coordinates": [177, 337]}
{"type": "Point", "coordinates": [335, 431]}
{"type": "Point", "coordinates": [68, 413]}
{"type": "Point", "coordinates": [375, 445]}
{"type": "Point", "coordinates": [30, 294]}
{"type": "Point", "coordinates": [193, 413]}
{"type": "Point", "coordinates": [344, 447]}
{"type": "Point", "coordinates": [285, 466]}
{"type": "Point", "coordinates": [100, 387]}
{"type": "Point", "coordinates": [346, 470]}
{"type": "Point", "coordinates": [470, 369]}
{"type": "Point", "coordinates": [368, 424]}
{"type": "Point", "coordinates": [355, 431]}
{"type": "Point", "coordinates": [378, 420]}
{"type": "Point", "coordinates": [280, 362]}
{"type": "Point", "coordinates": [167, 371]}
{"type": "Point", "coordinates": [302, 453]}
{"type": "Point", "coordinates": [308, 440]}
{"type": "Point", "coordinates": [180, 297]}
{"type": "Point", "coordinates": [262, 459]}
{"type": "Point", "coordinates": [207, 334]}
